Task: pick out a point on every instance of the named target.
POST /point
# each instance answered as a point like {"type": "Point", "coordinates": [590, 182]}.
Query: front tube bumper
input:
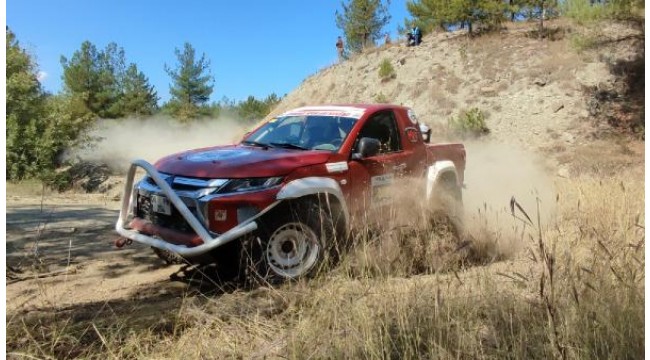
{"type": "Point", "coordinates": [209, 243]}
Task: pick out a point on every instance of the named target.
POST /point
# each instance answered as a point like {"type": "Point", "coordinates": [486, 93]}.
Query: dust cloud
{"type": "Point", "coordinates": [120, 141]}
{"type": "Point", "coordinates": [494, 174]}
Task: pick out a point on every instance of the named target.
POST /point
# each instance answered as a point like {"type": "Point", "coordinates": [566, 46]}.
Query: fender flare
{"type": "Point", "coordinates": [312, 186]}
{"type": "Point", "coordinates": [435, 173]}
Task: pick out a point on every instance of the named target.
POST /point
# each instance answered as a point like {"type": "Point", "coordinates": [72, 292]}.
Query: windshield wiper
{"type": "Point", "coordinates": [288, 146]}
{"type": "Point", "coordinates": [255, 143]}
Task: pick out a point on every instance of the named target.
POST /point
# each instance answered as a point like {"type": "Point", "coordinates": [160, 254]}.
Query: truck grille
{"type": "Point", "coordinates": [185, 184]}
{"type": "Point", "coordinates": [174, 221]}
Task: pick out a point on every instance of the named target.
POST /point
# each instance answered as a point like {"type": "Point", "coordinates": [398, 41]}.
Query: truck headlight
{"type": "Point", "coordinates": [241, 185]}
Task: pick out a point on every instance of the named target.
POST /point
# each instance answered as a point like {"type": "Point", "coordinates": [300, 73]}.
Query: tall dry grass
{"type": "Point", "coordinates": [573, 289]}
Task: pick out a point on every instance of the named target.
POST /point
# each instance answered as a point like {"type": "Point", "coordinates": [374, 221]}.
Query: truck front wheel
{"type": "Point", "coordinates": [292, 242]}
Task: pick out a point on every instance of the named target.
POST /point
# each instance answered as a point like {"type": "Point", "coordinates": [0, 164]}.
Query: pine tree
{"type": "Point", "coordinates": [93, 78]}
{"type": "Point", "coordinates": [542, 10]}
{"type": "Point", "coordinates": [191, 85]}
{"type": "Point", "coordinates": [254, 109]}
{"type": "Point", "coordinates": [138, 97]}
{"type": "Point", "coordinates": [362, 21]}
{"type": "Point", "coordinates": [112, 70]}
{"type": "Point", "coordinates": [431, 13]}
{"type": "Point", "coordinates": [81, 78]}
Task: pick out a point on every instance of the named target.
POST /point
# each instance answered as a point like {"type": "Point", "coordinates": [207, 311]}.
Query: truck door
{"type": "Point", "coordinates": [373, 177]}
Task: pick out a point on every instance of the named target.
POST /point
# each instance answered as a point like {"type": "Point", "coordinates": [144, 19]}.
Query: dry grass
{"type": "Point", "coordinates": [604, 158]}
{"type": "Point", "coordinates": [26, 187]}
{"type": "Point", "coordinates": [572, 287]}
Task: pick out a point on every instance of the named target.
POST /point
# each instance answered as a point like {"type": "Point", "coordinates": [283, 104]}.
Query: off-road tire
{"type": "Point", "coordinates": [296, 240]}
{"type": "Point", "coordinates": [447, 210]}
{"type": "Point", "coordinates": [224, 261]}
{"type": "Point", "coordinates": [168, 257]}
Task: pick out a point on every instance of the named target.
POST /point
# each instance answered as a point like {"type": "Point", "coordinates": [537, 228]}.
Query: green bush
{"type": "Point", "coordinates": [582, 11]}
{"type": "Point", "coordinates": [471, 122]}
{"type": "Point", "coordinates": [386, 70]}
{"type": "Point", "coordinates": [39, 126]}
{"type": "Point", "coordinates": [583, 42]}
{"type": "Point", "coordinates": [380, 98]}
{"type": "Point", "coordinates": [585, 13]}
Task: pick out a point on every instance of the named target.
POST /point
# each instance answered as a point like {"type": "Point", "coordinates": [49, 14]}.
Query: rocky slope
{"type": "Point", "coordinates": [534, 92]}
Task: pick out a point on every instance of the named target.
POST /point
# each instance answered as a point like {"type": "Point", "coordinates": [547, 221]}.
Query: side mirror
{"type": "Point", "coordinates": [427, 136]}
{"type": "Point", "coordinates": [367, 147]}
{"type": "Point", "coordinates": [426, 133]}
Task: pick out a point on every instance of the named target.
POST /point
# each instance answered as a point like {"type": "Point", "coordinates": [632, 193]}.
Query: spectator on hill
{"type": "Point", "coordinates": [339, 48]}
{"type": "Point", "coordinates": [387, 39]}
{"type": "Point", "coordinates": [416, 34]}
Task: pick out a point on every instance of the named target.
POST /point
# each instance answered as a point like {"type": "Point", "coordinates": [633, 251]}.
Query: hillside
{"type": "Point", "coordinates": [536, 93]}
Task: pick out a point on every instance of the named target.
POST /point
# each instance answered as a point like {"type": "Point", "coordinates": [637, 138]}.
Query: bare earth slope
{"type": "Point", "coordinates": [532, 90]}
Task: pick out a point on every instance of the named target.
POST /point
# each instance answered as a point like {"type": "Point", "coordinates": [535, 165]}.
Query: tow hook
{"type": "Point", "coordinates": [122, 242]}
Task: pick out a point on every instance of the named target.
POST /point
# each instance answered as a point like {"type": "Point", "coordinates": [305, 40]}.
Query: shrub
{"type": "Point", "coordinates": [381, 98]}
{"type": "Point", "coordinates": [386, 70]}
{"type": "Point", "coordinates": [583, 42]}
{"type": "Point", "coordinates": [582, 12]}
{"type": "Point", "coordinates": [471, 122]}
{"type": "Point", "coordinates": [585, 12]}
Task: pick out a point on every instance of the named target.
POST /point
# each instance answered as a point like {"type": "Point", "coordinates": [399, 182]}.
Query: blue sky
{"type": "Point", "coordinates": [255, 47]}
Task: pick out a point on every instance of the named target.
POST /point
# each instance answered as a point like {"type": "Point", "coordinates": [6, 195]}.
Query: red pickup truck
{"type": "Point", "coordinates": [279, 203]}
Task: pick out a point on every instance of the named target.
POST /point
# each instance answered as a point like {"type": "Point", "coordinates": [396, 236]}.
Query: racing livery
{"type": "Point", "coordinates": [277, 204]}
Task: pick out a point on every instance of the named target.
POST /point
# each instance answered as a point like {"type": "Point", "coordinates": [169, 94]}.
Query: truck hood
{"type": "Point", "coordinates": [238, 161]}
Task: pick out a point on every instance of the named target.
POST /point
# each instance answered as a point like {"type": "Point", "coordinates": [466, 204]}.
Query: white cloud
{"type": "Point", "coordinates": [41, 75]}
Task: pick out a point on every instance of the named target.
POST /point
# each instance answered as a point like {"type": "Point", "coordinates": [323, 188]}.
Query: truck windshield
{"type": "Point", "coordinates": [308, 132]}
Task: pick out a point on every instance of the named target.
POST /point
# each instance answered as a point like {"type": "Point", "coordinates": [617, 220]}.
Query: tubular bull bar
{"type": "Point", "coordinates": [209, 243]}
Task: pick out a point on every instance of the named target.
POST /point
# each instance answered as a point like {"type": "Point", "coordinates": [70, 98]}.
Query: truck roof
{"type": "Point", "coordinates": [346, 110]}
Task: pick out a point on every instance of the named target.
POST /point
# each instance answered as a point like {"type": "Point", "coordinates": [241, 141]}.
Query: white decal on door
{"type": "Point", "coordinates": [380, 191]}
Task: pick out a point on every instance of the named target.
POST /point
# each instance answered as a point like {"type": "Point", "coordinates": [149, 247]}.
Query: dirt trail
{"type": "Point", "coordinates": [72, 237]}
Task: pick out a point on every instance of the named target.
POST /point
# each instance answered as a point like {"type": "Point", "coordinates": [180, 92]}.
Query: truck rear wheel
{"type": "Point", "coordinates": [293, 242]}
{"type": "Point", "coordinates": [447, 213]}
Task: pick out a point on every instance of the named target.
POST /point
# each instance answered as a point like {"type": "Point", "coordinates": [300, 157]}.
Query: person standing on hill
{"type": "Point", "coordinates": [409, 39]}
{"type": "Point", "coordinates": [339, 48]}
{"type": "Point", "coordinates": [416, 34]}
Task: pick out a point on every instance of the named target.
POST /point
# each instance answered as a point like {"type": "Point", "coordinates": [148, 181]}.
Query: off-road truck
{"type": "Point", "coordinates": [280, 202]}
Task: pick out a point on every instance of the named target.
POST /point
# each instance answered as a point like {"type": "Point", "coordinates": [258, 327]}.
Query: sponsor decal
{"type": "Point", "coordinates": [218, 154]}
{"type": "Point", "coordinates": [337, 167]}
{"type": "Point", "coordinates": [381, 180]}
{"type": "Point", "coordinates": [380, 189]}
{"type": "Point", "coordinates": [342, 111]}
{"type": "Point", "coordinates": [412, 135]}
{"type": "Point", "coordinates": [220, 215]}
